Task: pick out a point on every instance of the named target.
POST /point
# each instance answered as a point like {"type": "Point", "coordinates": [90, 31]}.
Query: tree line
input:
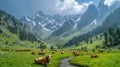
{"type": "Point", "coordinates": [112, 37]}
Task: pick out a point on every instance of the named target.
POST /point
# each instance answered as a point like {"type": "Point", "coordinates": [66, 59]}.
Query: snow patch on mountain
{"type": "Point", "coordinates": [27, 19]}
{"type": "Point", "coordinates": [94, 22]}
{"type": "Point", "coordinates": [34, 23]}
{"type": "Point", "coordinates": [78, 20]}
{"type": "Point", "coordinates": [75, 26]}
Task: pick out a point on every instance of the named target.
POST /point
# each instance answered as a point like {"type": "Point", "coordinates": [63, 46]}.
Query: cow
{"type": "Point", "coordinates": [43, 60]}
{"type": "Point", "coordinates": [41, 53]}
{"type": "Point", "coordinates": [62, 52]}
{"type": "Point", "coordinates": [53, 52]}
{"type": "Point", "coordinates": [94, 56]}
{"type": "Point", "coordinates": [33, 53]}
{"type": "Point", "coordinates": [76, 53]}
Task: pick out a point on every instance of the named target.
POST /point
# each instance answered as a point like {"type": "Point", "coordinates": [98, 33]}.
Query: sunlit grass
{"type": "Point", "coordinates": [104, 60]}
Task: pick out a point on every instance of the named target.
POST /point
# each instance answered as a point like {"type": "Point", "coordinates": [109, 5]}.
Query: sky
{"type": "Point", "coordinates": [19, 8]}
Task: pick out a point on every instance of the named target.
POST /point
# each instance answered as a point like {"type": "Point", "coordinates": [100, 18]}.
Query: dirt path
{"type": "Point", "coordinates": [65, 63]}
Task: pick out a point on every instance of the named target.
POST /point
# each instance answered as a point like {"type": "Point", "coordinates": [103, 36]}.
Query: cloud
{"type": "Point", "coordinates": [20, 8]}
{"type": "Point", "coordinates": [109, 2]}
{"type": "Point", "coordinates": [71, 6]}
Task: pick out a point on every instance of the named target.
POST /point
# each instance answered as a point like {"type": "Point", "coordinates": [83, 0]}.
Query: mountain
{"type": "Point", "coordinates": [89, 16]}
{"type": "Point", "coordinates": [43, 24]}
{"type": "Point", "coordinates": [105, 10]}
{"type": "Point", "coordinates": [9, 26]}
{"type": "Point", "coordinates": [53, 28]}
{"type": "Point", "coordinates": [70, 26]}
{"type": "Point", "coordinates": [111, 23]}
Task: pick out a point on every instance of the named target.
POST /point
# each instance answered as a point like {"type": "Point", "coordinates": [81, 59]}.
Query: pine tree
{"type": "Point", "coordinates": [91, 41]}
{"type": "Point", "coordinates": [106, 38]}
{"type": "Point", "coordinates": [111, 40]}
{"type": "Point", "coordinates": [43, 46]}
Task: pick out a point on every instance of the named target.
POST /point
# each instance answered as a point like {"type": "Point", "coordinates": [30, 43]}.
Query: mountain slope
{"type": "Point", "coordinates": [89, 16]}
{"type": "Point", "coordinates": [112, 21]}
{"type": "Point", "coordinates": [93, 17]}
{"type": "Point", "coordinates": [13, 32]}
{"type": "Point", "coordinates": [14, 26]}
{"type": "Point", "coordinates": [64, 28]}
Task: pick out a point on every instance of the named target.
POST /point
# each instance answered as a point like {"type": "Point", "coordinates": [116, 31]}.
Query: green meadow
{"type": "Point", "coordinates": [26, 59]}
{"type": "Point", "coordinates": [105, 60]}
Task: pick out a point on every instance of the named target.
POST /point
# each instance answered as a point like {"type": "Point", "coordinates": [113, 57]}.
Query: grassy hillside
{"type": "Point", "coordinates": [10, 40]}
{"type": "Point", "coordinates": [15, 27]}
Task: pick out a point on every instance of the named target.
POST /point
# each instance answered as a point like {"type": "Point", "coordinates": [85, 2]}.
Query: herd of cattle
{"type": "Point", "coordinates": [45, 59]}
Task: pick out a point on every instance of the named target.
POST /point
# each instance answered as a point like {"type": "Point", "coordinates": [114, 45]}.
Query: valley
{"type": "Point", "coordinates": [88, 37]}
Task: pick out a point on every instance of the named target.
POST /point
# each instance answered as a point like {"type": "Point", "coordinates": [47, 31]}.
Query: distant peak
{"type": "Point", "coordinates": [40, 12]}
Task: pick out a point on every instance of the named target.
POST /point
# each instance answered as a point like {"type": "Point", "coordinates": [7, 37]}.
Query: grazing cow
{"type": "Point", "coordinates": [53, 52]}
{"type": "Point", "coordinates": [43, 60]}
{"type": "Point", "coordinates": [33, 53]}
{"type": "Point", "coordinates": [62, 52]}
{"type": "Point", "coordinates": [41, 53]}
{"type": "Point", "coordinates": [94, 56]}
{"type": "Point", "coordinates": [76, 53]}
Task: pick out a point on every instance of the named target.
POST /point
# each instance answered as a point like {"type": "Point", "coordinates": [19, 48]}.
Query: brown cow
{"type": "Point", "coordinates": [33, 53]}
{"type": "Point", "coordinates": [62, 52]}
{"type": "Point", "coordinates": [94, 56]}
{"type": "Point", "coordinates": [43, 60]}
{"type": "Point", "coordinates": [53, 52]}
{"type": "Point", "coordinates": [76, 53]}
{"type": "Point", "coordinates": [41, 53]}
